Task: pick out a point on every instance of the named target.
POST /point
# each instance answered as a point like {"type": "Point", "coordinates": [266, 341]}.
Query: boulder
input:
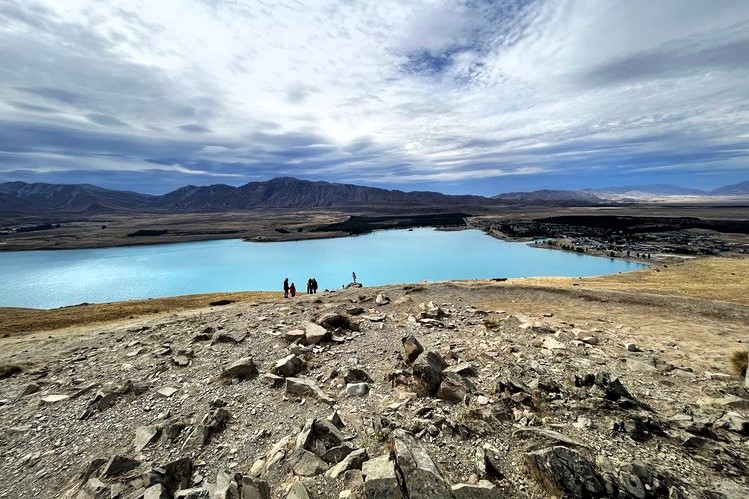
{"type": "Point", "coordinates": [118, 465]}
{"type": "Point", "coordinates": [181, 360]}
{"type": "Point", "coordinates": [290, 365]}
{"type": "Point", "coordinates": [427, 371]}
{"type": "Point", "coordinates": [319, 436]}
{"type": "Point", "coordinates": [253, 488]}
{"type": "Point", "coordinates": [337, 454]}
{"type": "Point", "coordinates": [463, 368]}
{"type": "Point", "coordinates": [412, 348]}
{"type": "Point", "coordinates": [452, 388]}
{"type": "Point", "coordinates": [306, 463]}
{"type": "Point", "coordinates": [156, 491]}
{"type": "Point", "coordinates": [294, 335]}
{"type": "Point", "coordinates": [243, 368]}
{"type": "Point", "coordinates": [351, 462]}
{"type": "Point", "coordinates": [379, 478]}
{"type": "Point", "coordinates": [357, 389]}
{"type": "Point", "coordinates": [314, 333]}
{"type": "Point", "coordinates": [482, 490]}
{"type": "Point", "coordinates": [564, 471]}
{"type": "Point", "coordinates": [298, 491]}
{"type": "Point", "coordinates": [302, 386]}
{"type": "Point", "coordinates": [420, 477]}
{"type": "Point", "coordinates": [144, 435]}
{"type": "Point", "coordinates": [382, 300]}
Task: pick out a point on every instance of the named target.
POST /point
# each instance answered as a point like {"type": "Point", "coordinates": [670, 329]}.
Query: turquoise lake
{"type": "Point", "coordinates": [48, 279]}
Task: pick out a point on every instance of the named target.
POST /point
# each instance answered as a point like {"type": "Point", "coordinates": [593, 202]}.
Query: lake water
{"type": "Point", "coordinates": [47, 279]}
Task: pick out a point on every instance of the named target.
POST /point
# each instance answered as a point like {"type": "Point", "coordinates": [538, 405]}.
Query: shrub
{"type": "Point", "coordinates": [739, 362]}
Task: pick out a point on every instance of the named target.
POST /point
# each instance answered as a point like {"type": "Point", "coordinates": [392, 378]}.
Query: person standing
{"type": "Point", "coordinates": [353, 276]}
{"type": "Point", "coordinates": [309, 286]}
{"type": "Point", "coordinates": [314, 285]}
{"type": "Point", "coordinates": [286, 288]}
{"type": "Point", "coordinates": [292, 290]}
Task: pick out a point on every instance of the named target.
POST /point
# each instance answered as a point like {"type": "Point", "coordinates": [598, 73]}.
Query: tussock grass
{"type": "Point", "coordinates": [739, 360]}
{"type": "Point", "coordinates": [18, 321]}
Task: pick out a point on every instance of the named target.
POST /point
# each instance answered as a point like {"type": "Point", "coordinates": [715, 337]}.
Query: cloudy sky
{"type": "Point", "coordinates": [477, 96]}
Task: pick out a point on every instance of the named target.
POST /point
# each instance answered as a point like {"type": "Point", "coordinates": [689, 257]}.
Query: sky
{"type": "Point", "coordinates": [463, 96]}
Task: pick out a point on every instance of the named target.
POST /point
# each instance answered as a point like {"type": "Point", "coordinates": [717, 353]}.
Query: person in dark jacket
{"type": "Point", "coordinates": [286, 288]}
{"type": "Point", "coordinates": [292, 290]}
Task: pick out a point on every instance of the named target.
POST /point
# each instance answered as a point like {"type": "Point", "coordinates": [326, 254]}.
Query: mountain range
{"type": "Point", "coordinates": [20, 198]}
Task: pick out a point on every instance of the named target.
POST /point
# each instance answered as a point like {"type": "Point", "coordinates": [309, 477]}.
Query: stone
{"type": "Point", "coordinates": [351, 462]}
{"type": "Point", "coordinates": [631, 346]}
{"type": "Point", "coordinates": [273, 380]}
{"type": "Point", "coordinates": [488, 461]}
{"type": "Point", "coordinates": [181, 361]}
{"type": "Point", "coordinates": [278, 451]}
{"type": "Point", "coordinates": [298, 491]}
{"type": "Point", "coordinates": [229, 337]}
{"type": "Point", "coordinates": [356, 375]}
{"type": "Point", "coordinates": [94, 489]}
{"type": "Point", "coordinates": [379, 478]}
{"type": "Point", "coordinates": [144, 435]}
{"type": "Point", "coordinates": [253, 488]}
{"type": "Point", "coordinates": [552, 344]}
{"type": "Point", "coordinates": [176, 474]}
{"type": "Point", "coordinates": [306, 463]}
{"type": "Point", "coordinates": [421, 478]}
{"type": "Point", "coordinates": [294, 335]}
{"type": "Point", "coordinates": [302, 386]}
{"type": "Point", "coordinates": [564, 471]}
{"type": "Point", "coordinates": [412, 348]}
{"type": "Point", "coordinates": [382, 300]}
{"type": "Point", "coordinates": [29, 389]}
{"type": "Point", "coordinates": [53, 399]}
{"type": "Point", "coordinates": [314, 333]}
{"type": "Point", "coordinates": [333, 320]}
{"type": "Point", "coordinates": [357, 389]}
{"type": "Point", "coordinates": [427, 371]}
{"type": "Point", "coordinates": [354, 310]}
{"type": "Point", "coordinates": [452, 388]}
{"type": "Point", "coordinates": [614, 390]}
{"type": "Point", "coordinates": [463, 368]}
{"type": "Point", "coordinates": [483, 490]}
{"type": "Point", "coordinates": [639, 366]}
{"type": "Point", "coordinates": [319, 436]}
{"type": "Point", "coordinates": [632, 485]}
{"type": "Point", "coordinates": [193, 493]}
{"type": "Point", "coordinates": [290, 365]}
{"type": "Point", "coordinates": [167, 391]}
{"type": "Point", "coordinates": [118, 465]}
{"type": "Point", "coordinates": [549, 437]}
{"type": "Point", "coordinates": [156, 491]}
{"type": "Point", "coordinates": [243, 368]}
{"type": "Point", "coordinates": [337, 454]}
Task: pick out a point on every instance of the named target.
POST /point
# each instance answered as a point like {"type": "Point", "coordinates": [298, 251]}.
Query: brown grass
{"type": "Point", "coordinates": [739, 361]}
{"type": "Point", "coordinates": [14, 321]}
{"type": "Point", "coordinates": [724, 279]}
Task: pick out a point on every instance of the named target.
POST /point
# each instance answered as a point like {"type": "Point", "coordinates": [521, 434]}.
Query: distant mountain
{"type": "Point", "coordinates": [653, 189]}
{"type": "Point", "coordinates": [550, 197]}
{"type": "Point", "coordinates": [742, 188]}
{"type": "Point", "coordinates": [38, 197]}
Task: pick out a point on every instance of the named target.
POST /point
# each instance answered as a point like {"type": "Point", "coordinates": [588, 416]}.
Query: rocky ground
{"type": "Point", "coordinates": [454, 390]}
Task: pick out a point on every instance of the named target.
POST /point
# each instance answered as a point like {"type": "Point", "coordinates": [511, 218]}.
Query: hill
{"type": "Point", "coordinates": [742, 188]}
{"type": "Point", "coordinates": [550, 197]}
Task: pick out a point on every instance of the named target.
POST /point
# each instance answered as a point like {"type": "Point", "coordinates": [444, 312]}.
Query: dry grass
{"type": "Point", "coordinates": [15, 321]}
{"type": "Point", "coordinates": [724, 279]}
{"type": "Point", "coordinates": [739, 361]}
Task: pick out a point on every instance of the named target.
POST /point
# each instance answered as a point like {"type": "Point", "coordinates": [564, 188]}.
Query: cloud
{"type": "Point", "coordinates": [531, 94]}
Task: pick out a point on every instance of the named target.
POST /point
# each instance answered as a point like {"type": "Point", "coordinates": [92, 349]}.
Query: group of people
{"type": "Point", "coordinates": [289, 290]}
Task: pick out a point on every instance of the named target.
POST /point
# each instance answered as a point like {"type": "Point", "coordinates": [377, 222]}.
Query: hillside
{"type": "Point", "coordinates": [742, 188]}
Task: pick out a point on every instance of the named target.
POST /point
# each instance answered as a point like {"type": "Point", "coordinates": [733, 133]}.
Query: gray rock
{"type": "Point", "coordinates": [243, 368]}
{"type": "Point", "coordinates": [412, 348]}
{"type": "Point", "coordinates": [356, 375]}
{"type": "Point", "coordinates": [354, 310]}
{"type": "Point", "coordinates": [427, 371]}
{"type": "Point", "coordinates": [193, 493]}
{"type": "Point", "coordinates": [463, 368]}
{"type": "Point", "coordinates": [229, 337]}
{"type": "Point", "coordinates": [144, 436]}
{"type": "Point", "coordinates": [156, 491]}
{"type": "Point", "coordinates": [53, 399]}
{"type": "Point", "coordinates": [488, 461]}
{"type": "Point", "coordinates": [253, 488]}
{"type": "Point", "coordinates": [357, 389]}
{"type": "Point", "coordinates": [453, 388]}
{"type": "Point", "coordinates": [118, 465]}
{"type": "Point", "coordinates": [351, 462]}
{"type": "Point", "coordinates": [382, 300]}
{"type": "Point", "coordinates": [290, 365]}
{"type": "Point", "coordinates": [420, 476]}
{"type": "Point", "coordinates": [302, 386]}
{"type": "Point", "coordinates": [483, 490]}
{"type": "Point", "coordinates": [306, 463]}
{"type": "Point", "coordinates": [561, 470]}
{"type": "Point", "coordinates": [632, 486]}
{"type": "Point", "coordinates": [94, 489]}
{"type": "Point", "coordinates": [273, 380]}
{"type": "Point", "coordinates": [379, 478]}
{"type": "Point", "coordinates": [333, 320]}
{"type": "Point", "coordinates": [337, 454]}
{"type": "Point", "coordinates": [294, 335]}
{"type": "Point", "coordinates": [29, 389]}
{"type": "Point", "coordinates": [298, 491]}
{"type": "Point", "coordinates": [314, 333]}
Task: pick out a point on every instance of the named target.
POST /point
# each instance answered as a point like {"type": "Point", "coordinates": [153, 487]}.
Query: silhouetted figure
{"type": "Point", "coordinates": [286, 288]}
{"type": "Point", "coordinates": [292, 290]}
{"type": "Point", "coordinates": [309, 286]}
{"type": "Point", "coordinates": [353, 276]}
{"type": "Point", "coordinates": [314, 285]}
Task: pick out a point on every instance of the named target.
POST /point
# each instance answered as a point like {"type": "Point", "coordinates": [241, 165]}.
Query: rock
{"type": "Point", "coordinates": [356, 375]}
{"type": "Point", "coordinates": [552, 344]}
{"type": "Point", "coordinates": [175, 475]}
{"type": "Point", "coordinates": [463, 368]}
{"type": "Point", "coordinates": [294, 335]}
{"type": "Point", "coordinates": [382, 300]}
{"type": "Point", "coordinates": [640, 367]}
{"type": "Point", "coordinates": [118, 465]}
{"type": "Point", "coordinates": [193, 493]}
{"type": "Point", "coordinates": [273, 380]}
{"type": "Point", "coordinates": [314, 333]}
{"type": "Point", "coordinates": [354, 310]}
{"type": "Point", "coordinates": [427, 371]}
{"type": "Point", "coordinates": [350, 462]}
{"type": "Point", "coordinates": [156, 491]}
{"type": "Point", "coordinates": [549, 437]}
{"type": "Point", "coordinates": [29, 389]}
{"type": "Point", "coordinates": [278, 451]}
{"type": "Point", "coordinates": [412, 348]}
{"type": "Point", "coordinates": [243, 368]}
{"type": "Point", "coordinates": [561, 471]}
{"type": "Point", "coordinates": [302, 386]}
{"type": "Point", "coordinates": [305, 463]}
{"type": "Point", "coordinates": [94, 489]}
{"type": "Point", "coordinates": [483, 490]}
{"type": "Point", "coordinates": [290, 365]}
{"type": "Point", "coordinates": [357, 389]}
{"type": "Point", "coordinates": [379, 478]}
{"type": "Point", "coordinates": [420, 476]}
{"type": "Point", "coordinates": [319, 436]}
{"type": "Point", "coordinates": [632, 486]}
{"type": "Point", "coordinates": [167, 391]}
{"type": "Point", "coordinates": [337, 454]}
{"type": "Point", "coordinates": [631, 346]}
{"type": "Point", "coordinates": [53, 399]}
{"type": "Point", "coordinates": [229, 337]}
{"type": "Point", "coordinates": [253, 488]}
{"type": "Point", "coordinates": [614, 390]}
{"type": "Point", "coordinates": [298, 491]}
{"type": "Point", "coordinates": [333, 320]}
{"type": "Point", "coordinates": [488, 461]}
{"type": "Point", "coordinates": [180, 361]}
{"type": "Point", "coordinates": [452, 388]}
{"type": "Point", "coordinates": [144, 435]}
